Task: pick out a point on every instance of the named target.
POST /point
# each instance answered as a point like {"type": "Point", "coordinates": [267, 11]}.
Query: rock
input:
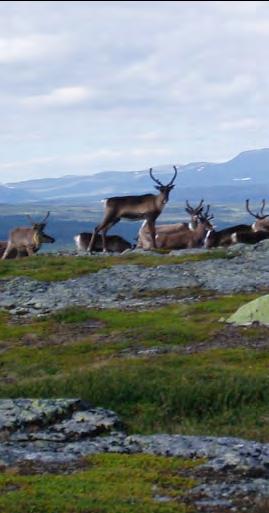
{"type": "Point", "coordinates": [254, 312]}
{"type": "Point", "coordinates": [61, 431]}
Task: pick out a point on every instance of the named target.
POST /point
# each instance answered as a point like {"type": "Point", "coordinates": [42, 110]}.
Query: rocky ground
{"type": "Point", "coordinates": [50, 434]}
{"type": "Point", "coordinates": [245, 270]}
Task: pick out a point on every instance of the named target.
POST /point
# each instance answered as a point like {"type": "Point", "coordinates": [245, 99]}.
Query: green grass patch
{"type": "Point", "coordinates": [54, 267]}
{"type": "Point", "coordinates": [110, 484]}
{"type": "Point", "coordinates": [216, 391]}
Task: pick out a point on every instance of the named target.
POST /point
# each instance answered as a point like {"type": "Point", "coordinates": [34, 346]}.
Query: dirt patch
{"type": "Point", "coordinates": [230, 337]}
{"type": "Point", "coordinates": [27, 468]}
{"type": "Point", "coordinates": [63, 334]}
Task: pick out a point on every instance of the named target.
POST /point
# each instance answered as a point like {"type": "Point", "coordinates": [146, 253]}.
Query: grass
{"type": "Point", "coordinates": [55, 267]}
{"type": "Point", "coordinates": [218, 391]}
{"type": "Point", "coordinates": [101, 487]}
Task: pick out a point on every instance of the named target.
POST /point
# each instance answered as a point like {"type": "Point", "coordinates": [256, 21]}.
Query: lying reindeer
{"type": "Point", "coordinates": [25, 241]}
{"type": "Point", "coordinates": [167, 230]}
{"type": "Point", "coordinates": [114, 243]}
{"type": "Point", "coordinates": [186, 238]}
{"type": "Point", "coordinates": [224, 237]}
{"type": "Point", "coordinates": [249, 237]}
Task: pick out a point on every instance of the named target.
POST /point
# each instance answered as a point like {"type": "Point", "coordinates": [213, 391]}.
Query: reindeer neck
{"type": "Point", "coordinates": [36, 239]}
{"type": "Point", "coordinates": [160, 201]}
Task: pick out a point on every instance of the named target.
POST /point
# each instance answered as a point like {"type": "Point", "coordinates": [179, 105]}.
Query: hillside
{"type": "Point", "coordinates": [124, 349]}
{"type": "Point", "coordinates": [246, 175]}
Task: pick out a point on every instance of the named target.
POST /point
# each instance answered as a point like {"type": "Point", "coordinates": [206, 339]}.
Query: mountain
{"type": "Point", "coordinates": [245, 175]}
{"type": "Point", "coordinates": [12, 194]}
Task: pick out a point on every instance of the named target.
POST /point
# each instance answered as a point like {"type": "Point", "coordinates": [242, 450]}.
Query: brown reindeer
{"type": "Point", "coordinates": [115, 243]}
{"type": "Point", "coordinates": [145, 206]}
{"type": "Point", "coordinates": [26, 241]}
{"type": "Point", "coordinates": [186, 239]}
{"type": "Point", "coordinates": [144, 236]}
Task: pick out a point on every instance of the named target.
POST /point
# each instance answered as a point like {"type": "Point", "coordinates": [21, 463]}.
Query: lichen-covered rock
{"type": "Point", "coordinates": [256, 311]}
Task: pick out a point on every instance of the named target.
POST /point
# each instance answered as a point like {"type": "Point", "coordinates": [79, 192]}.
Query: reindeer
{"type": "Point", "coordinates": [27, 241]}
{"type": "Point", "coordinates": [144, 237]}
{"type": "Point", "coordinates": [186, 238]}
{"type": "Point", "coordinates": [226, 236]}
{"type": "Point", "coordinates": [262, 221]}
{"type": "Point", "coordinates": [145, 206]}
{"type": "Point", "coordinates": [249, 237]}
{"type": "Point", "coordinates": [114, 242]}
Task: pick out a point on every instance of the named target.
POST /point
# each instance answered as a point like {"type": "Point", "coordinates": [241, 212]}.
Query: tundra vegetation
{"type": "Point", "coordinates": [206, 378]}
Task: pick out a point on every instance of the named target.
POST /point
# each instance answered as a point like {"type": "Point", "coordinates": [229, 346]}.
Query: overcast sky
{"type": "Point", "coordinates": [94, 86]}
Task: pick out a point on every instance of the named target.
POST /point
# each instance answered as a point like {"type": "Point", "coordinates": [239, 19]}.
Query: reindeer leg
{"type": "Point", "coordinates": [29, 250]}
{"type": "Point", "coordinates": [108, 222]}
{"type": "Point", "coordinates": [151, 225]}
{"type": "Point", "coordinates": [7, 250]}
{"type": "Point", "coordinates": [104, 232]}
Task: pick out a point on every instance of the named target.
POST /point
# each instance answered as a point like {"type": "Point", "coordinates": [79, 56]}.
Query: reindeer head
{"type": "Point", "coordinates": [262, 221]}
{"type": "Point", "coordinates": [164, 189]}
{"type": "Point", "coordinates": [205, 218]}
{"type": "Point", "coordinates": [39, 236]}
{"type": "Point", "coordinates": [194, 212]}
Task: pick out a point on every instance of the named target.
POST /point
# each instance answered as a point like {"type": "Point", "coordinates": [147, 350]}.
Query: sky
{"type": "Point", "coordinates": [98, 86]}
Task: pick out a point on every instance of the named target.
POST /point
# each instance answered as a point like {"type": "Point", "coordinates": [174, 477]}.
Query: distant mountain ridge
{"type": "Point", "coordinates": [247, 174]}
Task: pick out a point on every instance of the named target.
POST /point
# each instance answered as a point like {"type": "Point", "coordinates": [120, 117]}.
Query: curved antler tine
{"type": "Point", "coordinates": [207, 211]}
{"type": "Point", "coordinates": [30, 218]}
{"type": "Point", "coordinates": [46, 217]}
{"type": "Point", "coordinates": [189, 208]}
{"type": "Point", "coordinates": [174, 177]}
{"type": "Point", "coordinates": [248, 209]}
{"type": "Point", "coordinates": [262, 207]}
{"type": "Point", "coordinates": [200, 207]}
{"type": "Point", "coordinates": [154, 179]}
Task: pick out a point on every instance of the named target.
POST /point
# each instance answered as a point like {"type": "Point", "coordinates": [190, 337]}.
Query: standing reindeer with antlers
{"type": "Point", "coordinates": [145, 206]}
{"type": "Point", "coordinates": [25, 241]}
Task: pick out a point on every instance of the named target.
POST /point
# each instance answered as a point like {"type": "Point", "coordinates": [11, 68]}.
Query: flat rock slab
{"type": "Point", "coordinates": [245, 270]}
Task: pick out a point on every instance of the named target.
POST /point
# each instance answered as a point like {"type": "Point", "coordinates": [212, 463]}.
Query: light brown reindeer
{"type": "Point", "coordinates": [24, 240]}
{"type": "Point", "coordinates": [144, 238]}
{"type": "Point", "coordinates": [186, 239]}
{"type": "Point", "coordinates": [145, 206]}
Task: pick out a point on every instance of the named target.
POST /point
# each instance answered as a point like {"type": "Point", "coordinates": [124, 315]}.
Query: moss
{"type": "Point", "coordinates": [103, 487]}
{"type": "Point", "coordinates": [207, 392]}
{"type": "Point", "coordinates": [54, 267]}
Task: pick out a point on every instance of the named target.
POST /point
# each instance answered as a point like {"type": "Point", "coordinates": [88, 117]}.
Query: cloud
{"type": "Point", "coordinates": [33, 47]}
{"type": "Point", "coordinates": [63, 96]}
{"type": "Point", "coordinates": [87, 86]}
{"type": "Point", "coordinates": [240, 124]}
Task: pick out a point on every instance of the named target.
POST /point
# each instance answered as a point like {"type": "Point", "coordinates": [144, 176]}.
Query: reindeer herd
{"type": "Point", "coordinates": [198, 232]}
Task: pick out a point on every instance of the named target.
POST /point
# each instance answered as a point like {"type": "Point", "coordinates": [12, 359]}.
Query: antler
{"type": "Point", "coordinates": [258, 215]}
{"type": "Point", "coordinates": [154, 179]}
{"type": "Point", "coordinates": [174, 177]}
{"type": "Point", "coordinates": [206, 215]}
{"type": "Point", "coordinates": [196, 210]}
{"type": "Point", "coordinates": [261, 216]}
{"type": "Point", "coordinates": [46, 217]}
{"type": "Point", "coordinates": [158, 181]}
{"type": "Point", "coordinates": [30, 218]}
